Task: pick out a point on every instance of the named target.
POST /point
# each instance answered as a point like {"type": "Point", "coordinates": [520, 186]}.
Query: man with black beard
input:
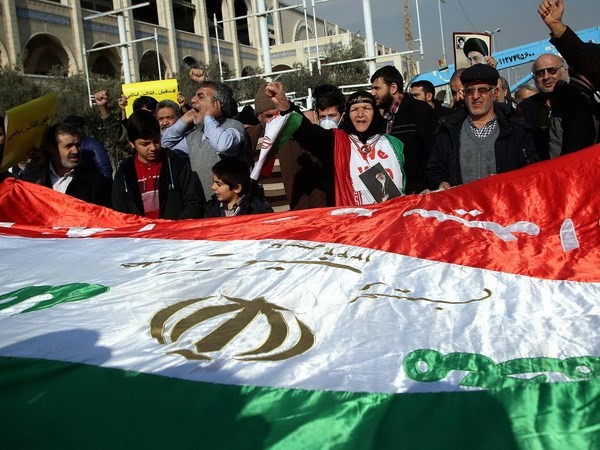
{"type": "Point", "coordinates": [59, 166]}
{"type": "Point", "coordinates": [409, 120]}
{"type": "Point", "coordinates": [456, 89]}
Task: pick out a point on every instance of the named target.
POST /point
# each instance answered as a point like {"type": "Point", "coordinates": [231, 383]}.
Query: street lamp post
{"type": "Point", "coordinates": [442, 29]}
{"type": "Point", "coordinates": [370, 40]}
{"type": "Point", "coordinates": [494, 47]}
{"type": "Point", "coordinates": [492, 33]}
{"type": "Point", "coordinates": [419, 26]}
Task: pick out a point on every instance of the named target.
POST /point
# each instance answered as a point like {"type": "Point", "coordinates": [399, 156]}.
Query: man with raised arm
{"type": "Point", "coordinates": [215, 135]}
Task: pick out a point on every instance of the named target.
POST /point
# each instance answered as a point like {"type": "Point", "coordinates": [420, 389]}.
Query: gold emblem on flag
{"type": "Point", "coordinates": [171, 323]}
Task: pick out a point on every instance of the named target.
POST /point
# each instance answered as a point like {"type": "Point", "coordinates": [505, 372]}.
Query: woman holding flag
{"type": "Point", "coordinates": [355, 153]}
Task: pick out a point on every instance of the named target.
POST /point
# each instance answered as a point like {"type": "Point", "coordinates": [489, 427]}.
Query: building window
{"type": "Point", "coordinates": [147, 14]}
{"type": "Point", "coordinates": [301, 33]}
{"type": "Point", "coordinates": [184, 12]}
{"type": "Point", "coordinates": [271, 28]}
{"type": "Point", "coordinates": [242, 24]}
{"type": "Point", "coordinates": [214, 7]}
{"type": "Point", "coordinates": [97, 5]}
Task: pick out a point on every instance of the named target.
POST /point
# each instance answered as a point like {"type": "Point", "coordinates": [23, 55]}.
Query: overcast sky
{"type": "Point", "coordinates": [518, 20]}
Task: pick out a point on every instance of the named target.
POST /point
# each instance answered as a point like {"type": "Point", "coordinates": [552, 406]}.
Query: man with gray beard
{"type": "Point", "coordinates": [479, 140]}
{"type": "Point", "coordinates": [215, 135]}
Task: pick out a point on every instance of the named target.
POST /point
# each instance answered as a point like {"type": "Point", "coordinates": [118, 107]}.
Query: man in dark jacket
{"type": "Point", "coordinates": [59, 165]}
{"type": "Point", "coordinates": [583, 55]}
{"type": "Point", "coordinates": [424, 91]}
{"type": "Point", "coordinates": [93, 151]}
{"type": "Point", "coordinates": [292, 178]}
{"type": "Point", "coordinates": [479, 141]}
{"type": "Point", "coordinates": [411, 121]}
{"type": "Point", "coordinates": [155, 182]}
{"type": "Point", "coordinates": [548, 70]}
{"type": "Point", "coordinates": [575, 121]}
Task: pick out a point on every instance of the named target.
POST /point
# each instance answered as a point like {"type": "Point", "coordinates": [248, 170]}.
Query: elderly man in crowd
{"type": "Point", "coordinates": [480, 140]}
{"type": "Point", "coordinates": [547, 70]}
{"type": "Point", "coordinates": [214, 136]}
{"type": "Point", "coordinates": [167, 114]}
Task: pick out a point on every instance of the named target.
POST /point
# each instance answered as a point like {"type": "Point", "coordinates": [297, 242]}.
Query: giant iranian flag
{"type": "Point", "coordinates": [462, 319]}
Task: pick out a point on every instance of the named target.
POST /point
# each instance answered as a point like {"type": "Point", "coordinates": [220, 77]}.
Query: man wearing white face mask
{"type": "Point", "coordinates": [330, 103]}
{"type": "Point", "coordinates": [291, 177]}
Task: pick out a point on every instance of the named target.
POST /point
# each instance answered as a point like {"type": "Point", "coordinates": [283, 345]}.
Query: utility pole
{"type": "Point", "coordinates": [408, 37]}
{"type": "Point", "coordinates": [370, 41]}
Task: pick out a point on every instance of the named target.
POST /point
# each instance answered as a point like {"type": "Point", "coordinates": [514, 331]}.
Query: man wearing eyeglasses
{"type": "Point", "coordinates": [480, 140]}
{"type": "Point", "coordinates": [547, 71]}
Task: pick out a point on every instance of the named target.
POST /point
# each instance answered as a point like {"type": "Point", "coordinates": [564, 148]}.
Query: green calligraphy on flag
{"type": "Point", "coordinates": [428, 365]}
{"type": "Point", "coordinates": [65, 293]}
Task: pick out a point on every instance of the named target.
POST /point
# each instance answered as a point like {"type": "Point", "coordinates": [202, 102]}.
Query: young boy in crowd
{"type": "Point", "coordinates": [155, 182]}
{"type": "Point", "coordinates": [231, 185]}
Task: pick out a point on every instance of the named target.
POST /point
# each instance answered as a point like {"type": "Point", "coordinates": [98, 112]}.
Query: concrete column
{"type": "Point", "coordinates": [253, 28]}
{"type": "Point", "coordinates": [229, 13]}
{"type": "Point", "coordinates": [78, 35]}
{"type": "Point", "coordinates": [201, 27]}
{"type": "Point", "coordinates": [166, 19]}
{"type": "Point", "coordinates": [11, 29]}
{"type": "Point", "coordinates": [277, 24]}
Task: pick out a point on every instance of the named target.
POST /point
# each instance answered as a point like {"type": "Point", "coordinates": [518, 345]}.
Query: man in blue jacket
{"type": "Point", "coordinates": [480, 140]}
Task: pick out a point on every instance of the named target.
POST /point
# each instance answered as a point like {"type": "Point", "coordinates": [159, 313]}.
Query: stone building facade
{"type": "Point", "coordinates": [42, 34]}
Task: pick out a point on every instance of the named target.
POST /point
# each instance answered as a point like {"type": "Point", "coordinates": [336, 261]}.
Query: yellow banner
{"type": "Point", "coordinates": [25, 126]}
{"type": "Point", "coordinates": [160, 90]}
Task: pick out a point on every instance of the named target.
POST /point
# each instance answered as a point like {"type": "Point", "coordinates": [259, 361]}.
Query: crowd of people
{"type": "Point", "coordinates": [192, 161]}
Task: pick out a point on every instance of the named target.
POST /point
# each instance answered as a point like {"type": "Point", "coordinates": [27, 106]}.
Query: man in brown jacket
{"type": "Point", "coordinates": [292, 178]}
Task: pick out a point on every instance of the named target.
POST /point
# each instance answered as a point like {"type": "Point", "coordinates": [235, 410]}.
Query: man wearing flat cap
{"type": "Point", "coordinates": [480, 140]}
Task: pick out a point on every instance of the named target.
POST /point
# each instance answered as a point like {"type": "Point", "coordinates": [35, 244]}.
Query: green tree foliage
{"type": "Point", "coordinates": [347, 73]}
{"type": "Point", "coordinates": [301, 80]}
{"type": "Point", "coordinates": [72, 98]}
{"type": "Point", "coordinates": [72, 92]}
{"type": "Point", "coordinates": [246, 89]}
{"type": "Point", "coordinates": [16, 89]}
{"type": "Point", "coordinates": [185, 84]}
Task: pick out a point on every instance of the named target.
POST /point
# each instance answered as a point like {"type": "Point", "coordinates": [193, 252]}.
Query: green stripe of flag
{"type": "Point", "coordinates": [289, 128]}
{"type": "Point", "coordinates": [48, 404]}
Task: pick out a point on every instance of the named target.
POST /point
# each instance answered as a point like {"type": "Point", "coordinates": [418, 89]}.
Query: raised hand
{"type": "Point", "coordinates": [551, 12]}
{"type": "Point", "coordinates": [197, 75]}
{"type": "Point", "coordinates": [276, 92]}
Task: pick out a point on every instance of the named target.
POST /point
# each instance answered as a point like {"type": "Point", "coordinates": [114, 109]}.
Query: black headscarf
{"type": "Point", "coordinates": [377, 125]}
